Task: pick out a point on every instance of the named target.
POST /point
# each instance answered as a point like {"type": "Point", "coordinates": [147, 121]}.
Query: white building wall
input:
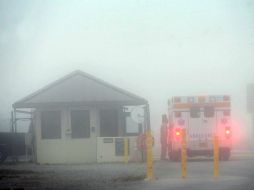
{"type": "Point", "coordinates": [66, 149]}
{"type": "Point", "coordinates": [86, 150]}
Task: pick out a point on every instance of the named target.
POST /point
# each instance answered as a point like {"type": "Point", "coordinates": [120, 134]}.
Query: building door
{"type": "Point", "coordinates": [80, 144]}
{"type": "Point", "coordinates": [109, 123]}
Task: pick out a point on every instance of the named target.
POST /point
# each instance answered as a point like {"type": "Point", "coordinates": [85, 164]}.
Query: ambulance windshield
{"type": "Point", "coordinates": [209, 111]}
{"type": "Point", "coordinates": [195, 112]}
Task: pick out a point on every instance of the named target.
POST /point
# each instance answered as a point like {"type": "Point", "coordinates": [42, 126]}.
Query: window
{"type": "Point", "coordinates": [191, 99]}
{"type": "Point", "coordinates": [209, 111]}
{"type": "Point", "coordinates": [51, 124]}
{"type": "Point", "coordinates": [109, 123]}
{"type": "Point", "coordinates": [80, 124]}
{"type": "Point", "coordinates": [195, 112]}
{"type": "Point", "coordinates": [131, 126]}
{"type": "Point", "coordinates": [177, 99]}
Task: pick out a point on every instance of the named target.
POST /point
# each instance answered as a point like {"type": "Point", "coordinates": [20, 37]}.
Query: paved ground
{"type": "Point", "coordinates": [238, 173]}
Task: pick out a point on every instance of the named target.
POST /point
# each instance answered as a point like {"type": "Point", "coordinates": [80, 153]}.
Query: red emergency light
{"type": "Point", "coordinates": [227, 132]}
{"type": "Point", "coordinates": [178, 134]}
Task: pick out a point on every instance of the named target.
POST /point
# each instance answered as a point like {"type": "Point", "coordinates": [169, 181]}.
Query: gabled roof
{"type": "Point", "coordinates": [79, 88]}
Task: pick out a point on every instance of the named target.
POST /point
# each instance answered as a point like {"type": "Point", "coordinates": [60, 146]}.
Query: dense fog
{"type": "Point", "coordinates": [155, 49]}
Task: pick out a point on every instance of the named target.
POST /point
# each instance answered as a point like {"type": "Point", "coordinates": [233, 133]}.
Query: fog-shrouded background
{"type": "Point", "coordinates": [156, 48]}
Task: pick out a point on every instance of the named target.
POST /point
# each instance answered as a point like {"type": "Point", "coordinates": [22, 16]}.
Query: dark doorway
{"type": "Point", "coordinates": [109, 123]}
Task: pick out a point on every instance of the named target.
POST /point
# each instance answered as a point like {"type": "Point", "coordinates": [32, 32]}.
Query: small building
{"type": "Point", "coordinates": [80, 119]}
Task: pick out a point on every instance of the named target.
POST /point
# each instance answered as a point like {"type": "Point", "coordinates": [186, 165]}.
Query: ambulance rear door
{"type": "Point", "coordinates": [194, 128]}
{"type": "Point", "coordinates": [209, 126]}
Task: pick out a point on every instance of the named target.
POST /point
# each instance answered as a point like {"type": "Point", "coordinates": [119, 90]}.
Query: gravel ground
{"type": "Point", "coordinates": [92, 176]}
{"type": "Point", "coordinates": [236, 173]}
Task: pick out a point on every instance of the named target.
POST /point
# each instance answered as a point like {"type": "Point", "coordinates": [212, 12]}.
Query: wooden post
{"type": "Point", "coordinates": [149, 156]}
{"type": "Point", "coordinates": [184, 154]}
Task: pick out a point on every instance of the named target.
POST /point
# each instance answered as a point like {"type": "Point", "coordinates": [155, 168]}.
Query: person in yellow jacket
{"type": "Point", "coordinates": [163, 136]}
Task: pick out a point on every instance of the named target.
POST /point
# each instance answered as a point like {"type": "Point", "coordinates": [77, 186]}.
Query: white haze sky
{"type": "Point", "coordinates": [156, 49]}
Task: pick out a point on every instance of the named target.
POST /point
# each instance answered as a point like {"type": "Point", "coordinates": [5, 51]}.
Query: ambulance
{"type": "Point", "coordinates": [203, 117]}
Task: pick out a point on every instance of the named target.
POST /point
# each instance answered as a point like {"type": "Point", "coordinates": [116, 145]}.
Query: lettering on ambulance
{"type": "Point", "coordinates": [201, 135]}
